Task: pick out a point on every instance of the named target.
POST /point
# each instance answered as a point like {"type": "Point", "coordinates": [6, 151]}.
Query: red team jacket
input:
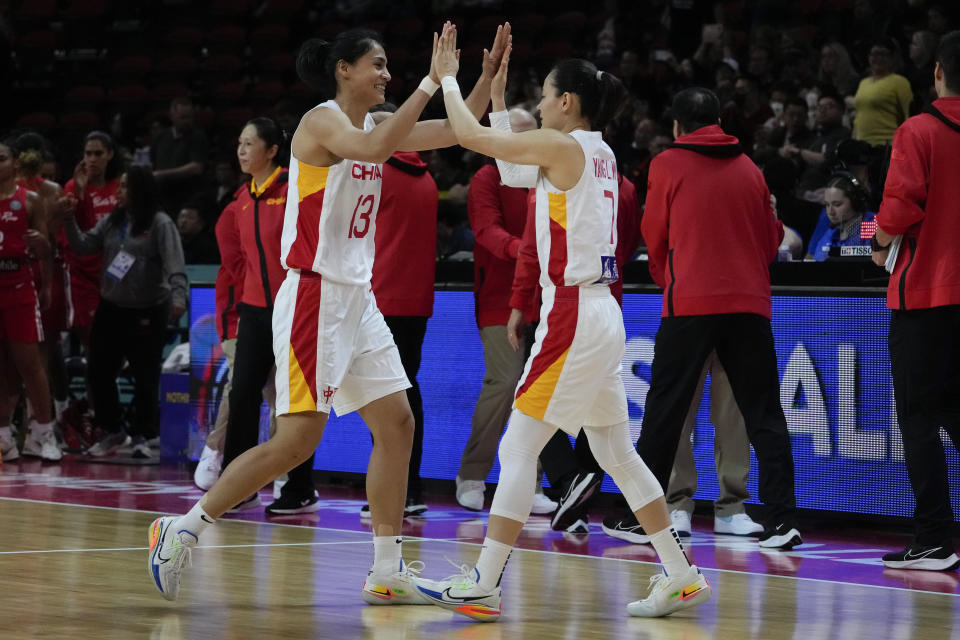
{"type": "Point", "coordinates": [921, 200]}
{"type": "Point", "coordinates": [259, 220]}
{"type": "Point", "coordinates": [498, 214]}
{"type": "Point", "coordinates": [229, 286]}
{"type": "Point", "coordinates": [710, 231]}
{"type": "Point", "coordinates": [406, 238]}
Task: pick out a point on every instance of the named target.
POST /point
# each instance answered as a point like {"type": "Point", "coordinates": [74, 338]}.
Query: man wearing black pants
{"type": "Point", "coordinates": [252, 365]}
{"type": "Point", "coordinates": [920, 207]}
{"type": "Point", "coordinates": [711, 236]}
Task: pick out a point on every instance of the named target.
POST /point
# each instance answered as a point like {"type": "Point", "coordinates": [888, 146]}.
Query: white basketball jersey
{"type": "Point", "coordinates": [577, 229]}
{"type": "Point", "coordinates": [330, 220]}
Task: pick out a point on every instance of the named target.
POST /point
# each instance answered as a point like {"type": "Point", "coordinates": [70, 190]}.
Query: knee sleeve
{"type": "Point", "coordinates": [615, 452]}
{"type": "Point", "coordinates": [520, 448]}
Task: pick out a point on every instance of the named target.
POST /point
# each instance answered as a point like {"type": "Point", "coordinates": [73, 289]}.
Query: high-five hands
{"type": "Point", "coordinates": [492, 57]}
{"type": "Point", "coordinates": [447, 26]}
{"type": "Point", "coordinates": [446, 59]}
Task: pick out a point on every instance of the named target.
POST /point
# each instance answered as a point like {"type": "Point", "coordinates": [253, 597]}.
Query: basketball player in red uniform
{"type": "Point", "coordinates": [22, 232]}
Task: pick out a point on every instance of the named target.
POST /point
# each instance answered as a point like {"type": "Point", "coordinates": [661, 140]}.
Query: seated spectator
{"type": "Point", "coordinates": [227, 182]}
{"type": "Point", "coordinates": [787, 140]}
{"type": "Point", "coordinates": [923, 46]}
{"type": "Point", "coordinates": [883, 98]}
{"type": "Point", "coordinates": [197, 238]}
{"type": "Point", "coordinates": [746, 113]}
{"type": "Point", "coordinates": [846, 209]}
{"type": "Point", "coordinates": [819, 155]}
{"type": "Point", "coordinates": [454, 238]}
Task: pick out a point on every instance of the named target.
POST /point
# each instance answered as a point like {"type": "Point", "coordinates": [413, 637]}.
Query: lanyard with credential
{"type": "Point", "coordinates": [122, 261]}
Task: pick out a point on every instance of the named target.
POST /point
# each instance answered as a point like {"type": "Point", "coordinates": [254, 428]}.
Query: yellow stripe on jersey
{"type": "Point", "coordinates": [557, 204]}
{"type": "Point", "coordinates": [311, 179]}
{"type": "Point", "coordinates": [536, 398]}
{"type": "Point", "coordinates": [300, 397]}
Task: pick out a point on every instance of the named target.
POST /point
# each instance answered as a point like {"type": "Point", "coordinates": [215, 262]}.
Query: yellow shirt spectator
{"type": "Point", "coordinates": [882, 106]}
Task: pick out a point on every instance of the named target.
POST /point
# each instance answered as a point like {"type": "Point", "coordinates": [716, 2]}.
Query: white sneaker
{"type": "Point", "coordinates": [397, 588]}
{"type": "Point", "coordinates": [739, 524]}
{"type": "Point", "coordinates": [140, 449]}
{"type": "Point", "coordinates": [41, 445]}
{"type": "Point", "coordinates": [8, 446]}
{"type": "Point", "coordinates": [462, 594]}
{"type": "Point", "coordinates": [669, 594]}
{"type": "Point", "coordinates": [108, 445]}
{"type": "Point", "coordinates": [169, 555]}
{"type": "Point", "coordinates": [681, 522]}
{"type": "Point", "coordinates": [208, 469]}
{"type": "Point", "coordinates": [542, 505]}
{"type": "Point", "coordinates": [470, 494]}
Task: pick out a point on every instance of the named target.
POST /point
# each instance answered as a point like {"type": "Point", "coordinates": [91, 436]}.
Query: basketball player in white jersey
{"type": "Point", "coordinates": [331, 344]}
{"type": "Point", "coordinates": [573, 375]}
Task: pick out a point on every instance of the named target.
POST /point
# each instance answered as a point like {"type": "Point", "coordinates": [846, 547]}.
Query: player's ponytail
{"type": "Point", "coordinates": [601, 94]}
{"type": "Point", "coordinates": [317, 59]}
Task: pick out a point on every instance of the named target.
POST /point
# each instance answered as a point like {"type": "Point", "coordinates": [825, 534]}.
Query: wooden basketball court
{"type": "Point", "coordinates": [78, 570]}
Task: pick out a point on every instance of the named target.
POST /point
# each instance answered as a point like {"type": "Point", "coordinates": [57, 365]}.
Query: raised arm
{"type": "Point", "coordinates": [331, 131]}
{"type": "Point", "coordinates": [557, 153]}
{"type": "Point", "coordinates": [435, 134]}
{"type": "Point", "coordinates": [513, 175]}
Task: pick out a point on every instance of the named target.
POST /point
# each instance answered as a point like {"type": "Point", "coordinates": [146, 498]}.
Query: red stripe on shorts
{"type": "Point", "coordinates": [561, 327]}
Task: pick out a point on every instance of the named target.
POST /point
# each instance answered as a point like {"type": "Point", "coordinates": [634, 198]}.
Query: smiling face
{"type": "Point", "coordinates": [839, 208]}
{"type": "Point", "coordinates": [366, 78]}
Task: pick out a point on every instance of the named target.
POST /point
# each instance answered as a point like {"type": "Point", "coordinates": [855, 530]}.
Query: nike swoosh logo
{"type": "Point", "coordinates": [448, 596]}
{"type": "Point", "coordinates": [206, 519]}
{"type": "Point", "coordinates": [918, 556]}
{"type": "Point", "coordinates": [160, 538]}
{"type": "Point", "coordinates": [689, 592]}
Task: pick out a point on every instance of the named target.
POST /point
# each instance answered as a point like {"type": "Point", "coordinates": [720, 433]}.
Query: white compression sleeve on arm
{"type": "Point", "coordinates": [513, 175]}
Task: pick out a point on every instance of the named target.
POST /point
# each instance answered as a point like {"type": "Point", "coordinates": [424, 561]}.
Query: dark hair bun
{"type": "Point", "coordinates": [311, 61]}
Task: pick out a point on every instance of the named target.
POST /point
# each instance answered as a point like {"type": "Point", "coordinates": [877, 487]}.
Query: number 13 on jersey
{"type": "Point", "coordinates": [360, 222]}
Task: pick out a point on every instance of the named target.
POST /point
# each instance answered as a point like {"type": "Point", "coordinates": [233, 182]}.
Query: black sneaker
{"type": "Point", "coordinates": [286, 505]}
{"type": "Point", "coordinates": [783, 536]}
{"type": "Point", "coordinates": [414, 507]}
{"type": "Point", "coordinates": [365, 511]}
{"type": "Point", "coordinates": [625, 527]}
{"type": "Point", "coordinates": [578, 492]}
{"type": "Point", "coordinates": [918, 556]}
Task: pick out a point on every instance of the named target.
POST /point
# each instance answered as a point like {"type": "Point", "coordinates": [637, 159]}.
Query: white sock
{"type": "Point", "coordinates": [492, 562]}
{"type": "Point", "coordinates": [195, 521]}
{"type": "Point", "coordinates": [387, 554]}
{"type": "Point", "coordinates": [668, 547]}
{"type": "Point", "coordinates": [41, 428]}
{"type": "Point", "coordinates": [6, 431]}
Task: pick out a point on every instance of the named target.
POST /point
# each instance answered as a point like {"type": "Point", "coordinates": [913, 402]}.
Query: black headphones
{"type": "Point", "coordinates": [851, 187]}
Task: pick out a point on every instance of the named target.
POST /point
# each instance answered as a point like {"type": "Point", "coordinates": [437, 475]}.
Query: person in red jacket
{"type": "Point", "coordinates": [920, 204]}
{"type": "Point", "coordinates": [711, 235]}
{"type": "Point", "coordinates": [259, 210]}
{"type": "Point", "coordinates": [403, 274]}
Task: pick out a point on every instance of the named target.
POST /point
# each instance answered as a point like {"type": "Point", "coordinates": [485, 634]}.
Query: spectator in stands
{"type": "Point", "coordinates": [796, 214]}
{"type": "Point", "coordinates": [403, 276]}
{"type": "Point", "coordinates": [787, 140]}
{"type": "Point", "coordinates": [883, 98]}
{"type": "Point", "coordinates": [454, 238]}
{"type": "Point", "coordinates": [179, 157]}
{"type": "Point", "coordinates": [746, 113]}
{"type": "Point", "coordinates": [226, 182]}
{"type": "Point", "coordinates": [198, 240]}
{"type": "Point", "coordinates": [923, 47]}
{"type": "Point", "coordinates": [836, 69]}
{"type": "Point", "coordinates": [845, 201]}
{"type": "Point", "coordinates": [142, 287]}
{"type": "Point", "coordinates": [819, 155]}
